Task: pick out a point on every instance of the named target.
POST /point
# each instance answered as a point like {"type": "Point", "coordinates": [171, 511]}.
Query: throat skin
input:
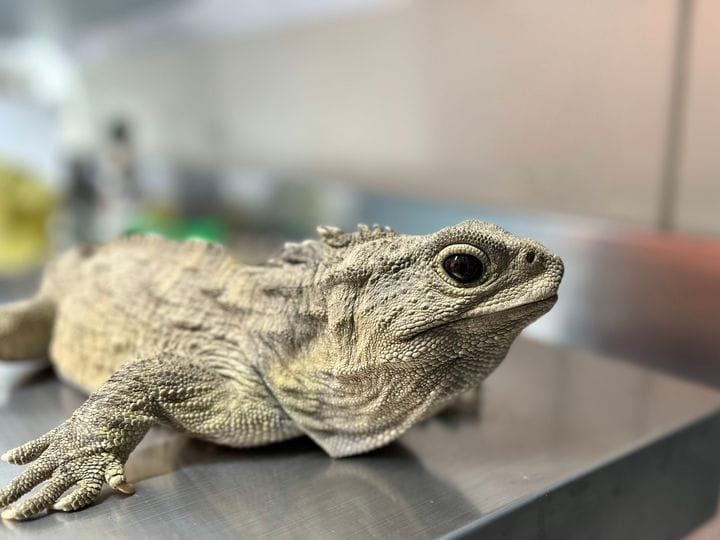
{"type": "Point", "coordinates": [353, 405]}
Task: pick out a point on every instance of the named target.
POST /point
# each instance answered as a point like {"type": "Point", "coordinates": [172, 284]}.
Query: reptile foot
{"type": "Point", "coordinates": [68, 456]}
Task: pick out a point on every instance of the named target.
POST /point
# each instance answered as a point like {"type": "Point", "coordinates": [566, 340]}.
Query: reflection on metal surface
{"type": "Point", "coordinates": [548, 415]}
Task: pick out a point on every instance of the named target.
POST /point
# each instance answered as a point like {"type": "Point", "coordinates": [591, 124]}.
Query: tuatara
{"type": "Point", "coordinates": [350, 339]}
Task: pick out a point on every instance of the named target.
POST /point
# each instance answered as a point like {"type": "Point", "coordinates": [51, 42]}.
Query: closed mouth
{"type": "Point", "coordinates": [539, 307]}
{"type": "Point", "coordinates": [543, 305]}
{"type": "Point", "coordinates": [546, 302]}
{"type": "Point", "coordinates": [549, 300]}
{"type": "Point", "coordinates": [531, 310]}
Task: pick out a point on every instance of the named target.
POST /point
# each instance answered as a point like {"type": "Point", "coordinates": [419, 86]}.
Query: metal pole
{"type": "Point", "coordinates": [674, 136]}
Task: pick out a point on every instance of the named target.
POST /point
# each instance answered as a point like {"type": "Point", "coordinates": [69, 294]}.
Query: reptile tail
{"type": "Point", "coordinates": [26, 329]}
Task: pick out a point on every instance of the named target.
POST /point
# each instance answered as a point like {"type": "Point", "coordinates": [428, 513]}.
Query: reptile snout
{"type": "Point", "coordinates": [538, 261]}
{"type": "Point", "coordinates": [535, 257]}
{"type": "Point", "coordinates": [554, 269]}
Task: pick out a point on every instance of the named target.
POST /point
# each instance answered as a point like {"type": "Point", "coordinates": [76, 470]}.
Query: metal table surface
{"type": "Point", "coordinates": [554, 433]}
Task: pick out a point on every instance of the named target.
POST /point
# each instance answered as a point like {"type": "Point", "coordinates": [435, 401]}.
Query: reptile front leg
{"type": "Point", "coordinates": [92, 446]}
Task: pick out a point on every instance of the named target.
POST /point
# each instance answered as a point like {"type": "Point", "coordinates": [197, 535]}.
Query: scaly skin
{"type": "Point", "coordinates": [349, 340]}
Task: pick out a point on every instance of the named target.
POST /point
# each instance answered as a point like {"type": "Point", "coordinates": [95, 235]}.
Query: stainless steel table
{"type": "Point", "coordinates": [561, 444]}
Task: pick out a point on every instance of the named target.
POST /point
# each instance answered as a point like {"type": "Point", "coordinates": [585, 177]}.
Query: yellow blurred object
{"type": "Point", "coordinates": [25, 207]}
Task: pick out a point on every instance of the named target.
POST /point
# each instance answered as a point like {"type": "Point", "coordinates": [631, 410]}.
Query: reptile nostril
{"type": "Point", "coordinates": [530, 257]}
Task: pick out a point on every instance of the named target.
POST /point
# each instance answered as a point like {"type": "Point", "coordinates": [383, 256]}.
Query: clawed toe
{"type": "Point", "coordinates": [57, 472]}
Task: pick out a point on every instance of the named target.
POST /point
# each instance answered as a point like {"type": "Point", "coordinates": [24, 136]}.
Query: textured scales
{"type": "Point", "coordinates": [349, 340]}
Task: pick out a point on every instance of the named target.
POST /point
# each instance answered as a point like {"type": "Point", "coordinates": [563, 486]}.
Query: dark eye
{"type": "Point", "coordinates": [463, 268]}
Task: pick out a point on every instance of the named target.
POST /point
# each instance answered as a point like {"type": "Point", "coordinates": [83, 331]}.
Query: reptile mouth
{"type": "Point", "coordinates": [541, 304]}
{"type": "Point", "coordinates": [549, 300]}
{"type": "Point", "coordinates": [536, 308]}
{"type": "Point", "coordinates": [527, 311]}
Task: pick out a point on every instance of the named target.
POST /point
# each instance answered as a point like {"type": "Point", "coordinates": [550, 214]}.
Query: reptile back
{"type": "Point", "coordinates": [132, 296]}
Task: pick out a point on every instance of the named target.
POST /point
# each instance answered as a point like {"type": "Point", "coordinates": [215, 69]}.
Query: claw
{"type": "Point", "coordinates": [120, 484]}
{"type": "Point", "coordinates": [6, 457]}
{"type": "Point", "coordinates": [8, 513]}
{"type": "Point", "coordinates": [126, 488]}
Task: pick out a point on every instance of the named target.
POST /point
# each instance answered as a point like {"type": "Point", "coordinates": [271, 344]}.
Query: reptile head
{"type": "Point", "coordinates": [474, 279]}
{"type": "Point", "coordinates": [415, 320]}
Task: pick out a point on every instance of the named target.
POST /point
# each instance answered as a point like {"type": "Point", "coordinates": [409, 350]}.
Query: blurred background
{"type": "Point", "coordinates": [593, 127]}
{"type": "Point", "coordinates": [131, 111]}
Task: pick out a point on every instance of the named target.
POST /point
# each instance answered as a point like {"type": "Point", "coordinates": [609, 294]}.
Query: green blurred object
{"type": "Point", "coordinates": [206, 228]}
{"type": "Point", "coordinates": [25, 207]}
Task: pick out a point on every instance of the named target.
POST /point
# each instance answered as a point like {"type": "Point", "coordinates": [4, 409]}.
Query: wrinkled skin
{"type": "Point", "coordinates": [349, 340]}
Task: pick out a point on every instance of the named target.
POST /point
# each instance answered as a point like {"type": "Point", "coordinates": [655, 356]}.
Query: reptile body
{"type": "Point", "coordinates": [350, 339]}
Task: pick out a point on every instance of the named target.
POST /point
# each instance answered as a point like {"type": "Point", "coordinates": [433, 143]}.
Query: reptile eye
{"type": "Point", "coordinates": [463, 268]}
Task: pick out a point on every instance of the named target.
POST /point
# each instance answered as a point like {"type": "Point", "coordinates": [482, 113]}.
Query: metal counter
{"type": "Point", "coordinates": [561, 443]}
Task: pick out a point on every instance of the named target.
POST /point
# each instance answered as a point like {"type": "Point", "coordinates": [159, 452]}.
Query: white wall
{"type": "Point", "coordinates": [27, 139]}
{"type": "Point", "coordinates": [558, 106]}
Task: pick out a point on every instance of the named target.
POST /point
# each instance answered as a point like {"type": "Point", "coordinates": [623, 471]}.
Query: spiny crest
{"type": "Point", "coordinates": [337, 238]}
{"type": "Point", "coordinates": [311, 251]}
{"type": "Point", "coordinates": [300, 252]}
